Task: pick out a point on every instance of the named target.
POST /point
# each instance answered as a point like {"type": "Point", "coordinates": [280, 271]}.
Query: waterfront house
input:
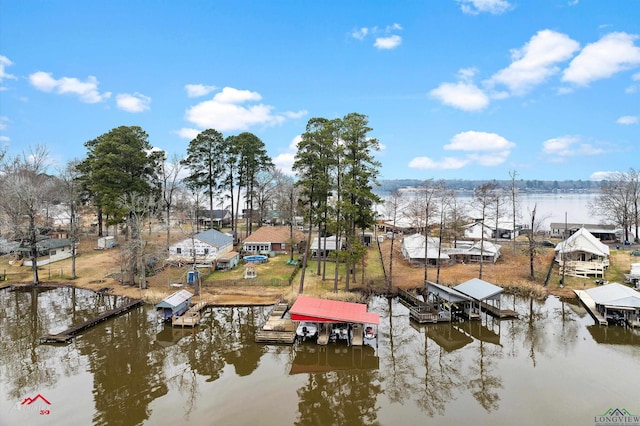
{"type": "Point", "coordinates": [49, 250]}
{"type": "Point", "coordinates": [582, 255]}
{"type": "Point", "coordinates": [600, 231]}
{"type": "Point", "coordinates": [204, 247]}
{"type": "Point", "coordinates": [488, 252]}
{"type": "Point", "coordinates": [272, 239]}
{"type": "Point", "coordinates": [413, 250]}
{"type": "Point", "coordinates": [214, 218]}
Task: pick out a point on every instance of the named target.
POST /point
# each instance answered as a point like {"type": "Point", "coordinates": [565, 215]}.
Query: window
{"type": "Point", "coordinates": [206, 251]}
{"type": "Point", "coordinates": [179, 250]}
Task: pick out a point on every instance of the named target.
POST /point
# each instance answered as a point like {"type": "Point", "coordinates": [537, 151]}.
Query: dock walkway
{"type": "Point", "coordinates": [500, 313]}
{"type": "Point", "coordinates": [191, 318]}
{"type": "Point", "coordinates": [67, 335]}
{"type": "Point", "coordinates": [277, 329]}
{"type": "Point", "coordinates": [590, 305]}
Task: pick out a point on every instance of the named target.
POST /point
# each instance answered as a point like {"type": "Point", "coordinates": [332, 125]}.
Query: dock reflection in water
{"type": "Point", "coordinates": [129, 371]}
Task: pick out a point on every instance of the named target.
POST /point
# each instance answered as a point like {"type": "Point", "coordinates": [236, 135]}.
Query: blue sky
{"type": "Point", "coordinates": [454, 89]}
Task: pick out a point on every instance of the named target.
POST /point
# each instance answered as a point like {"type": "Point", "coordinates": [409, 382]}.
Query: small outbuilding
{"type": "Point", "coordinates": [582, 255]}
{"type": "Point", "coordinates": [617, 303]}
{"type": "Point", "coordinates": [174, 305]}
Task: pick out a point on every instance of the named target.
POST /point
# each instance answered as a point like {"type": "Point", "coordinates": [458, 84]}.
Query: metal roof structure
{"type": "Point", "coordinates": [583, 240]}
{"type": "Point", "coordinates": [413, 247]}
{"type": "Point", "coordinates": [214, 238]}
{"type": "Point", "coordinates": [175, 299]}
{"type": "Point", "coordinates": [447, 293]}
{"type": "Point", "coordinates": [615, 295]}
{"type": "Point", "coordinates": [479, 290]}
{"type": "Point", "coordinates": [314, 309]}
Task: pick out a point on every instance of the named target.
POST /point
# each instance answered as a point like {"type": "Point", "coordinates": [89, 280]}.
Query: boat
{"type": "Point", "coordinates": [369, 333]}
{"type": "Point", "coordinates": [307, 329]}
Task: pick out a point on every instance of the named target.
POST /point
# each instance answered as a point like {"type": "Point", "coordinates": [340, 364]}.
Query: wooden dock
{"type": "Point", "coordinates": [278, 329]}
{"type": "Point", "coordinates": [191, 318]}
{"type": "Point", "coordinates": [499, 313]}
{"type": "Point", "coordinates": [324, 334]}
{"type": "Point", "coordinates": [590, 305]}
{"type": "Point", "coordinates": [68, 335]}
{"type": "Point", "coordinates": [419, 311]}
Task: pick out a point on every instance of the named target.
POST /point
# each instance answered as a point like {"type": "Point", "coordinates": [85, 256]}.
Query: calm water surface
{"type": "Point", "coordinates": [552, 366]}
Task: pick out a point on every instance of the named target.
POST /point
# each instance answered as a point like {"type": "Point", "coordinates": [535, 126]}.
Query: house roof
{"type": "Point", "coordinates": [323, 310]}
{"type": "Point", "coordinates": [583, 240]}
{"type": "Point", "coordinates": [330, 243]}
{"type": "Point", "coordinates": [273, 234]}
{"type": "Point", "coordinates": [413, 246]}
{"type": "Point", "coordinates": [615, 295]}
{"type": "Point", "coordinates": [479, 290]}
{"type": "Point", "coordinates": [175, 299]}
{"type": "Point", "coordinates": [590, 226]}
{"type": "Point", "coordinates": [214, 238]}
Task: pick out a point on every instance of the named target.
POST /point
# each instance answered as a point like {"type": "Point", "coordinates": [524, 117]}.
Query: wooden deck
{"type": "Point", "coordinates": [277, 329]}
{"type": "Point", "coordinates": [419, 311]}
{"type": "Point", "coordinates": [590, 305]}
{"type": "Point", "coordinates": [191, 318]}
{"type": "Point", "coordinates": [499, 313]}
{"type": "Point", "coordinates": [68, 335]}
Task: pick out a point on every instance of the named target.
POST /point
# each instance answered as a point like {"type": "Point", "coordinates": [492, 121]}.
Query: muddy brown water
{"type": "Point", "coordinates": [550, 366]}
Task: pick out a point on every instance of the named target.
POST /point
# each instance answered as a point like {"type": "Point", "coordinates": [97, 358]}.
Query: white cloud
{"type": "Point", "coordinates": [426, 163]}
{"type": "Point", "coordinates": [560, 148]}
{"type": "Point", "coordinates": [133, 103]}
{"type": "Point", "coordinates": [3, 122]}
{"type": "Point", "coordinates": [485, 149]}
{"type": "Point", "coordinates": [5, 139]}
{"type": "Point", "coordinates": [535, 61]}
{"type": "Point", "coordinates": [461, 95]}
{"type": "Point", "coordinates": [611, 54]}
{"type": "Point", "coordinates": [87, 90]}
{"type": "Point", "coordinates": [360, 33]}
{"type": "Point", "coordinates": [603, 175]}
{"type": "Point", "coordinates": [479, 141]}
{"type": "Point", "coordinates": [387, 43]}
{"type": "Point", "coordinates": [226, 112]}
{"type": "Point", "coordinates": [187, 133]}
{"type": "Point", "coordinates": [196, 90]}
{"type": "Point", "coordinates": [474, 7]}
{"type": "Point", "coordinates": [284, 161]}
{"type": "Point", "coordinates": [5, 62]}
{"type": "Point", "coordinates": [627, 119]}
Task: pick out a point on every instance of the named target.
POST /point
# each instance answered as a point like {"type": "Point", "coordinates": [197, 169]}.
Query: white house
{"type": "Point", "coordinates": [49, 250]}
{"type": "Point", "coordinates": [582, 255]}
{"type": "Point", "coordinates": [413, 249]}
{"type": "Point", "coordinates": [328, 244]}
{"type": "Point", "coordinates": [204, 247]}
{"type": "Point", "coordinates": [488, 252]}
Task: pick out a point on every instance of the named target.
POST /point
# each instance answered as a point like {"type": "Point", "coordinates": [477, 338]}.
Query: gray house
{"type": "Point", "coordinates": [205, 247]}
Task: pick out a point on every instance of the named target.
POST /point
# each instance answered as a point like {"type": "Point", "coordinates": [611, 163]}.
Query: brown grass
{"type": "Point", "coordinates": [96, 270]}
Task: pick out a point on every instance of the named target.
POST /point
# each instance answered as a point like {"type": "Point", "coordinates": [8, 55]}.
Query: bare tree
{"type": "Point", "coordinates": [483, 199]}
{"type": "Point", "coordinates": [618, 201]}
{"type": "Point", "coordinates": [24, 191]}
{"type": "Point", "coordinates": [169, 175]}
{"type": "Point", "coordinates": [514, 204]}
{"type": "Point", "coordinates": [393, 208]}
{"type": "Point", "coordinates": [71, 190]}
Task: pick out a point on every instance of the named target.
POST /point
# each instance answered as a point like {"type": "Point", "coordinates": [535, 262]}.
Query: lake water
{"type": "Point", "coordinates": [550, 366]}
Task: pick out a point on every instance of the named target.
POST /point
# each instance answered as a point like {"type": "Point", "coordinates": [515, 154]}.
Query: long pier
{"type": "Point", "coordinates": [68, 335]}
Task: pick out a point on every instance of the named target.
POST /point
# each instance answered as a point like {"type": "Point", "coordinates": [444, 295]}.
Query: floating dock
{"type": "Point", "coordinates": [590, 305]}
{"type": "Point", "coordinates": [497, 312]}
{"type": "Point", "coordinates": [420, 311]}
{"type": "Point", "coordinates": [278, 329]}
{"type": "Point", "coordinates": [68, 335]}
{"type": "Point", "coordinates": [191, 318]}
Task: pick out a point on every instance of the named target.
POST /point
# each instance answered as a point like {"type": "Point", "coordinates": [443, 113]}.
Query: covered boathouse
{"type": "Point", "coordinates": [175, 304]}
{"type": "Point", "coordinates": [330, 313]}
{"type": "Point", "coordinates": [487, 296]}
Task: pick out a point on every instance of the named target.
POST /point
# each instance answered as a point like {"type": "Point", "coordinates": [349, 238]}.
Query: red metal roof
{"type": "Point", "coordinates": [322, 310]}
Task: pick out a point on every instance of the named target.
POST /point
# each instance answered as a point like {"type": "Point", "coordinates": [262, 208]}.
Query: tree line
{"type": "Point", "coordinates": [126, 182]}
